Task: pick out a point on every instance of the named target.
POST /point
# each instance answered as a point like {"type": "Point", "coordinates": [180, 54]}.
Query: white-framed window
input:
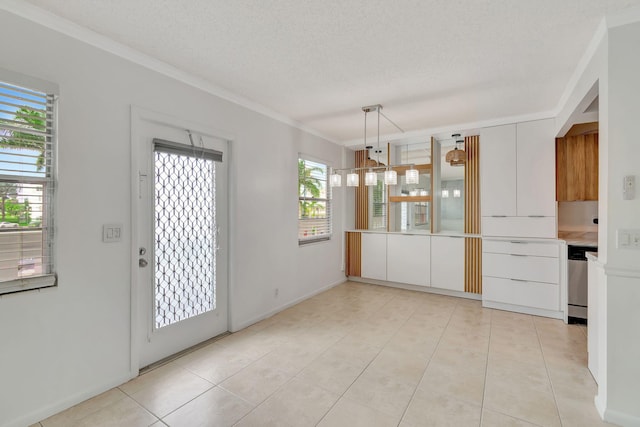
{"type": "Point", "coordinates": [314, 201]}
{"type": "Point", "coordinates": [27, 181]}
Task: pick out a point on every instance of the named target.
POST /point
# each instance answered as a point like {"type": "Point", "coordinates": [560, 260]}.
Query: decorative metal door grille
{"type": "Point", "coordinates": [185, 237]}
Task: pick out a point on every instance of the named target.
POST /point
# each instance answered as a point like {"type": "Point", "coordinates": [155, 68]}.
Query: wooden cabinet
{"type": "Point", "coordinates": [408, 259]}
{"type": "Point", "coordinates": [447, 262]}
{"type": "Point", "coordinates": [577, 168]}
{"type": "Point", "coordinates": [518, 180]}
{"type": "Point", "coordinates": [373, 262]}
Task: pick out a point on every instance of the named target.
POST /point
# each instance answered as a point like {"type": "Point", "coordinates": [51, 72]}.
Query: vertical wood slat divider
{"type": "Point", "coordinates": [473, 245]}
{"type": "Point", "coordinates": [362, 193]}
{"type": "Point", "coordinates": [353, 253]}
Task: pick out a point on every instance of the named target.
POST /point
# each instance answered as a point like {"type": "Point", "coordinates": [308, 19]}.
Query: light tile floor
{"type": "Point", "coordinates": [365, 355]}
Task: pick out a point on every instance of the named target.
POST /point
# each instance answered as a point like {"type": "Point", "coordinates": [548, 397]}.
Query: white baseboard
{"type": "Point", "coordinates": [620, 418]}
{"type": "Point", "coordinates": [615, 417]}
{"type": "Point", "coordinates": [247, 323]}
{"type": "Point", "coordinates": [522, 309]}
{"type": "Point", "coordinates": [426, 289]}
{"type": "Point", "coordinates": [68, 402]}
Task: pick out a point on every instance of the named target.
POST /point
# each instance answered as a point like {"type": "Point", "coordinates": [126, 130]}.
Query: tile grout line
{"type": "Point", "coordinates": [428, 363]}
{"type": "Point", "coordinates": [486, 367]}
{"type": "Point", "coordinates": [313, 360]}
{"type": "Point", "coordinates": [367, 365]}
{"type": "Point", "coordinates": [546, 368]}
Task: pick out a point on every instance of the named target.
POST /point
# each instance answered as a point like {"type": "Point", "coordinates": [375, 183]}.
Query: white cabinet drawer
{"type": "Point", "coordinates": [522, 267]}
{"type": "Point", "coordinates": [521, 247]}
{"type": "Point", "coordinates": [408, 259]}
{"type": "Point", "coordinates": [519, 226]}
{"type": "Point", "coordinates": [522, 293]}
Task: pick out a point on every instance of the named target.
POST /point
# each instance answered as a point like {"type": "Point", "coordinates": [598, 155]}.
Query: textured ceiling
{"type": "Point", "coordinates": [431, 63]}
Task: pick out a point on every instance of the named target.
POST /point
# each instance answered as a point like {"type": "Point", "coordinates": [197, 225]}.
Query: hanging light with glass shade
{"type": "Point", "coordinates": [353, 179]}
{"type": "Point", "coordinates": [411, 175]}
{"type": "Point", "coordinates": [456, 157]}
{"type": "Point", "coordinates": [335, 180]}
{"type": "Point", "coordinates": [390, 177]}
{"type": "Point", "coordinates": [370, 165]}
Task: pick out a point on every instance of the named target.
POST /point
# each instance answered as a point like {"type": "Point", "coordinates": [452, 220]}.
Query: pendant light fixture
{"type": "Point", "coordinates": [353, 179]}
{"type": "Point", "coordinates": [456, 157]}
{"type": "Point", "coordinates": [411, 176]}
{"type": "Point", "coordinates": [371, 177]}
{"type": "Point", "coordinates": [336, 179]}
{"type": "Point", "coordinates": [390, 177]}
{"type": "Point", "coordinates": [371, 166]}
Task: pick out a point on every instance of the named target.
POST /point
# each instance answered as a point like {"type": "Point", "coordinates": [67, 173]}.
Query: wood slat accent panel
{"type": "Point", "coordinates": [472, 185]}
{"type": "Point", "coordinates": [472, 246]}
{"type": "Point", "coordinates": [473, 265]}
{"type": "Point", "coordinates": [362, 193]}
{"type": "Point", "coordinates": [353, 253]}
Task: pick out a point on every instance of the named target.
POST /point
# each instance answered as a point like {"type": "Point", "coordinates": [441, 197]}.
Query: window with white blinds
{"type": "Point", "coordinates": [314, 202]}
{"type": "Point", "coordinates": [27, 171]}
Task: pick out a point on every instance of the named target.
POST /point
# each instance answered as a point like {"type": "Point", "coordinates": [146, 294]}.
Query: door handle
{"type": "Point", "coordinates": [142, 263]}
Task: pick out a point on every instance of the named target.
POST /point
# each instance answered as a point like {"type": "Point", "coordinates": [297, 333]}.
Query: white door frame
{"type": "Point", "coordinates": [139, 114]}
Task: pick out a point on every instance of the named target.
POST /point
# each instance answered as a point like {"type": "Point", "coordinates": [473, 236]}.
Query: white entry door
{"type": "Point", "coordinates": [181, 229]}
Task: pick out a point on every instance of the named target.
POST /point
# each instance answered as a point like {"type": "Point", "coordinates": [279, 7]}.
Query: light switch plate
{"type": "Point", "coordinates": [629, 187]}
{"type": "Point", "coordinates": [111, 233]}
{"type": "Point", "coordinates": [628, 239]}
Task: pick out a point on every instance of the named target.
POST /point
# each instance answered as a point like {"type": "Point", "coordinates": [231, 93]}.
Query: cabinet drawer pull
{"type": "Point", "coordinates": [536, 216]}
{"type": "Point", "coordinates": [498, 216]}
{"type": "Point", "coordinates": [517, 255]}
{"type": "Point", "coordinates": [518, 242]}
{"type": "Point", "coordinates": [518, 280]}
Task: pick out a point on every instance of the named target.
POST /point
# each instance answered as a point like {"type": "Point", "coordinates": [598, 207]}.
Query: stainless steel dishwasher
{"type": "Point", "coordinates": [578, 282]}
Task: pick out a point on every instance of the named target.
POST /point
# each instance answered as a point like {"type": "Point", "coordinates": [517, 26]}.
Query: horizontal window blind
{"type": "Point", "coordinates": [314, 202]}
{"type": "Point", "coordinates": [27, 143]}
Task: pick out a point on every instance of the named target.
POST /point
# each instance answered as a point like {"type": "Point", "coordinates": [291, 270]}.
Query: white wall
{"type": "Point", "coordinates": [623, 273]}
{"type": "Point", "coordinates": [63, 345]}
{"type": "Point", "coordinates": [615, 66]}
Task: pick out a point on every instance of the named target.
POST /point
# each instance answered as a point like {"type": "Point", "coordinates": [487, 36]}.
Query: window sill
{"type": "Point", "coordinates": [302, 243]}
{"type": "Point", "coordinates": [27, 284]}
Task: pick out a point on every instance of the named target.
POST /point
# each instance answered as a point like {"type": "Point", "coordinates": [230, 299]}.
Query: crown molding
{"type": "Point", "coordinates": [64, 26]}
{"type": "Point", "coordinates": [469, 128]}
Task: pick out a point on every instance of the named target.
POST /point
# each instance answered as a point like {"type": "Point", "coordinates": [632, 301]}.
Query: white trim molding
{"type": "Point", "coordinates": [64, 26]}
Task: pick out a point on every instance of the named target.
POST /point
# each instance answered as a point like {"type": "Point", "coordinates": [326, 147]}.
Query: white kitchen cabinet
{"type": "Point", "coordinates": [498, 171]}
{"type": "Point", "coordinates": [408, 259]}
{"type": "Point", "coordinates": [536, 164]}
{"type": "Point", "coordinates": [373, 263]}
{"type": "Point", "coordinates": [447, 262]}
{"type": "Point", "coordinates": [522, 276]}
{"type": "Point", "coordinates": [517, 178]}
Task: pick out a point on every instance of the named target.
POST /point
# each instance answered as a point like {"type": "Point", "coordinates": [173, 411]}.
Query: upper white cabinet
{"type": "Point", "coordinates": [536, 177]}
{"type": "Point", "coordinates": [498, 171]}
{"type": "Point", "coordinates": [374, 256]}
{"type": "Point", "coordinates": [447, 262]}
{"type": "Point", "coordinates": [408, 259]}
{"type": "Point", "coordinates": [517, 178]}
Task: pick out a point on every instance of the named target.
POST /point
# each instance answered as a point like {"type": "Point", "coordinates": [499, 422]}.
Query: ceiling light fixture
{"type": "Point", "coordinates": [370, 165]}
{"type": "Point", "coordinates": [411, 175]}
{"type": "Point", "coordinates": [456, 157]}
